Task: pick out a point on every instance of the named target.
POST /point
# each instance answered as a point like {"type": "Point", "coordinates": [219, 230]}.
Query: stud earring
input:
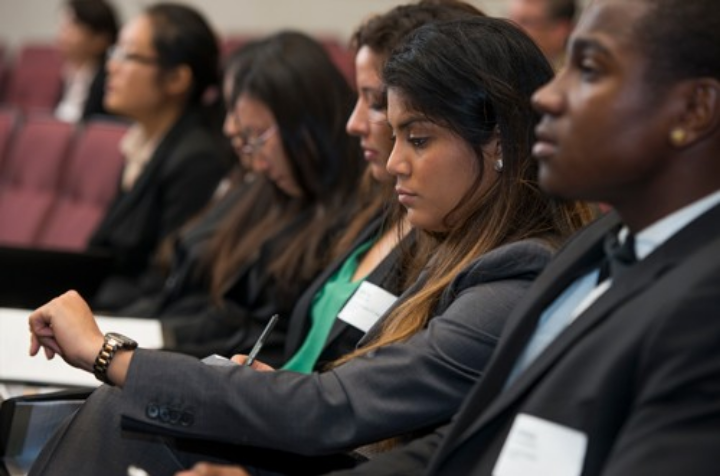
{"type": "Point", "coordinates": [678, 136]}
{"type": "Point", "coordinates": [498, 166]}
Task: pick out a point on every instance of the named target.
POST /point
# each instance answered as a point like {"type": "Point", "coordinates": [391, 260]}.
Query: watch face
{"type": "Point", "coordinates": [124, 341]}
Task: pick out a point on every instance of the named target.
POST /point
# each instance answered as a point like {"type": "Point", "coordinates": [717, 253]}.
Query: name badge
{"type": "Point", "coordinates": [537, 446]}
{"type": "Point", "coordinates": [366, 306]}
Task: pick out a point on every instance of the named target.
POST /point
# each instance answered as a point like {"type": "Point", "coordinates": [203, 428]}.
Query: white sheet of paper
{"type": "Point", "coordinates": [366, 306]}
{"type": "Point", "coordinates": [17, 365]}
{"type": "Point", "coordinates": [537, 446]}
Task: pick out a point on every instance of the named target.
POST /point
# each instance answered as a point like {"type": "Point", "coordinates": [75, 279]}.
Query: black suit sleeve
{"type": "Point", "coordinates": [188, 186]}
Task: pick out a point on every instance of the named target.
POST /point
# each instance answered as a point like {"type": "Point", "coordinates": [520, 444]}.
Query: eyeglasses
{"type": "Point", "coordinates": [251, 145]}
{"type": "Point", "coordinates": [118, 53]}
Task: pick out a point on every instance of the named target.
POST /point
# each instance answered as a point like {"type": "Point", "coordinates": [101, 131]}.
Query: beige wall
{"type": "Point", "coordinates": [25, 20]}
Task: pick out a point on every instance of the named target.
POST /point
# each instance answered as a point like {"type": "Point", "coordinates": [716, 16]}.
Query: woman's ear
{"type": "Point", "coordinates": [492, 151]}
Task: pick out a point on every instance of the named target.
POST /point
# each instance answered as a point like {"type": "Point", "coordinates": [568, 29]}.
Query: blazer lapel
{"type": "Point", "coordinates": [578, 256]}
{"type": "Point", "coordinates": [300, 322]}
{"type": "Point", "coordinates": [634, 281]}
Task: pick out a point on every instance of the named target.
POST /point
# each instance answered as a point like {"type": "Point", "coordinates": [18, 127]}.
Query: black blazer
{"type": "Point", "coordinates": [160, 288]}
{"type": "Point", "coordinates": [178, 180]}
{"type": "Point", "coordinates": [195, 325]}
{"type": "Point", "coordinates": [343, 338]}
{"type": "Point", "coordinates": [94, 103]}
{"type": "Point", "coordinates": [638, 372]}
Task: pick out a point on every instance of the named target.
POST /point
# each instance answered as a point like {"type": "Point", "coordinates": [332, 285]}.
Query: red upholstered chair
{"type": "Point", "coordinates": [3, 75]}
{"type": "Point", "coordinates": [29, 177]}
{"type": "Point", "coordinates": [3, 71]}
{"type": "Point", "coordinates": [8, 122]}
{"type": "Point", "coordinates": [230, 43]}
{"type": "Point", "coordinates": [343, 58]}
{"type": "Point", "coordinates": [35, 80]}
{"type": "Point", "coordinates": [87, 187]}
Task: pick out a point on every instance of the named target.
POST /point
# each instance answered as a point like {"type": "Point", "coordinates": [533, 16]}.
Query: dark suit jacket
{"type": "Point", "coordinates": [94, 103]}
{"type": "Point", "coordinates": [178, 180]}
{"type": "Point", "coordinates": [196, 325]}
{"type": "Point", "coordinates": [343, 337]}
{"type": "Point", "coordinates": [160, 287]}
{"type": "Point", "coordinates": [638, 372]}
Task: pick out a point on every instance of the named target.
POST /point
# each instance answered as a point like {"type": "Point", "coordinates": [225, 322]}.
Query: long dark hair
{"type": "Point", "coordinates": [292, 75]}
{"type": "Point", "coordinates": [475, 77]}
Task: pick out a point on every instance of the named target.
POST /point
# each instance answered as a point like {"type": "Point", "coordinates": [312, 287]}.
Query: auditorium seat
{"type": "Point", "coordinates": [343, 58]}
{"type": "Point", "coordinates": [29, 176]}
{"type": "Point", "coordinates": [230, 43]}
{"type": "Point", "coordinates": [34, 81]}
{"type": "Point", "coordinates": [8, 121]}
{"type": "Point", "coordinates": [87, 187]}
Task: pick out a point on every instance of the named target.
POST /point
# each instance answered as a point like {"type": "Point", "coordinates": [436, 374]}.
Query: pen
{"type": "Point", "coordinates": [261, 341]}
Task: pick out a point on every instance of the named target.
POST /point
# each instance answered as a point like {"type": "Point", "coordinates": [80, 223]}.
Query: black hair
{"type": "Point", "coordinates": [562, 9]}
{"type": "Point", "coordinates": [181, 36]}
{"type": "Point", "coordinates": [311, 125]}
{"type": "Point", "coordinates": [96, 15]}
{"type": "Point", "coordinates": [475, 77]}
{"type": "Point", "coordinates": [293, 76]}
{"type": "Point", "coordinates": [680, 39]}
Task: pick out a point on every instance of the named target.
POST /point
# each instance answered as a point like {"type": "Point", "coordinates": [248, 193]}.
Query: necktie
{"type": "Point", "coordinates": [618, 258]}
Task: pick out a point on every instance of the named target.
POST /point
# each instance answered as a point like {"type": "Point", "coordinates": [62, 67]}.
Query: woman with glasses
{"type": "Point", "coordinates": [287, 105]}
{"type": "Point", "coordinates": [164, 63]}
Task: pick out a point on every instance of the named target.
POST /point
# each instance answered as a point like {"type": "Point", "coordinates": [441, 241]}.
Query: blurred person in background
{"type": "Point", "coordinates": [548, 22]}
{"type": "Point", "coordinates": [87, 29]}
{"type": "Point", "coordinates": [159, 72]}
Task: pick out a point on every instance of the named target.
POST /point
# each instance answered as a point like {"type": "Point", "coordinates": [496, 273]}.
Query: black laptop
{"type": "Point", "coordinates": [31, 277]}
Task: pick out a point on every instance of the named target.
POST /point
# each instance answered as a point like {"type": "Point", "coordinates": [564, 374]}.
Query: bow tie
{"type": "Point", "coordinates": [618, 257]}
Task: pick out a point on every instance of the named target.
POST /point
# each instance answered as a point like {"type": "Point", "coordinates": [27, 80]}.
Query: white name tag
{"type": "Point", "coordinates": [366, 306]}
{"type": "Point", "coordinates": [537, 446]}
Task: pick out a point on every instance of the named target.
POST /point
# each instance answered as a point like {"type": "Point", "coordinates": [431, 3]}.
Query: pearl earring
{"type": "Point", "coordinates": [498, 166]}
{"type": "Point", "coordinates": [678, 136]}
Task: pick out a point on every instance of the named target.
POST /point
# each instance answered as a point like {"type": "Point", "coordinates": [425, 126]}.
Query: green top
{"type": "Point", "coordinates": [326, 305]}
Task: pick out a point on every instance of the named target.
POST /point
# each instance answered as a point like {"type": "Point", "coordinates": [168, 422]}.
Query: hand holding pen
{"type": "Point", "coordinates": [261, 341]}
{"type": "Point", "coordinates": [247, 360]}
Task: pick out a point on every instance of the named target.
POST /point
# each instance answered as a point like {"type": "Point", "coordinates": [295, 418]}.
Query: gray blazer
{"type": "Point", "coordinates": [638, 372]}
{"type": "Point", "coordinates": [396, 389]}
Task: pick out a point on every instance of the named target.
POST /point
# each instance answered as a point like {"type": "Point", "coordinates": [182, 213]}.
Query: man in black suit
{"type": "Point", "coordinates": [613, 369]}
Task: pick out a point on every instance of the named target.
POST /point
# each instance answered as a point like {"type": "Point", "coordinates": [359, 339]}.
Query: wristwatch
{"type": "Point", "coordinates": [113, 343]}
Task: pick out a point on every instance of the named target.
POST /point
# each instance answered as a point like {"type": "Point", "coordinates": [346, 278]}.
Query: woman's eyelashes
{"type": "Point", "coordinates": [418, 142]}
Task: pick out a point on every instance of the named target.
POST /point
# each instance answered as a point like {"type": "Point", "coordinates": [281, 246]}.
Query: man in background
{"type": "Point", "coordinates": [548, 22]}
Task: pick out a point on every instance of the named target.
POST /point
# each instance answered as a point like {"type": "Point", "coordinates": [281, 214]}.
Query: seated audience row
{"type": "Point", "coordinates": [157, 75]}
{"type": "Point", "coordinates": [640, 282]}
{"type": "Point", "coordinates": [467, 185]}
